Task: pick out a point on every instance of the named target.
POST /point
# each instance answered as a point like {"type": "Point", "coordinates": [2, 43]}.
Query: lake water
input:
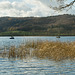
{"type": "Point", "coordinates": [34, 66]}
{"type": "Point", "coordinates": [5, 41]}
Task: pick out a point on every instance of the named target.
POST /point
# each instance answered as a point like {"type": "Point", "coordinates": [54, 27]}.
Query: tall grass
{"type": "Point", "coordinates": [20, 52]}
{"type": "Point", "coordinates": [51, 50]}
{"type": "Point", "coordinates": [55, 50]}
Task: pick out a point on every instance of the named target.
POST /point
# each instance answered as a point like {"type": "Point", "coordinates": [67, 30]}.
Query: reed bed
{"type": "Point", "coordinates": [55, 50]}
{"type": "Point", "coordinates": [51, 50]}
{"type": "Point", "coordinates": [20, 52]}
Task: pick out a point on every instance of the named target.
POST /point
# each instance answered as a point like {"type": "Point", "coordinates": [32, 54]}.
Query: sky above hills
{"type": "Point", "coordinates": [27, 8]}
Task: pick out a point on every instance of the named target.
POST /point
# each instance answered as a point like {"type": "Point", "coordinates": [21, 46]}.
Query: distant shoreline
{"type": "Point", "coordinates": [35, 35]}
{"type": "Point", "coordinates": [63, 25]}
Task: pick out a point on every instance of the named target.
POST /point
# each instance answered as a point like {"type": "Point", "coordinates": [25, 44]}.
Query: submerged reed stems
{"type": "Point", "coordinates": [50, 50]}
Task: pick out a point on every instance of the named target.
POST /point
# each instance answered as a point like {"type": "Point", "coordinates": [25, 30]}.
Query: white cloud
{"type": "Point", "coordinates": [26, 8]}
{"type": "Point", "coordinates": [5, 5]}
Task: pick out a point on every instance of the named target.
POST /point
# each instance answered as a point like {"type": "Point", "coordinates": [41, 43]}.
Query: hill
{"type": "Point", "coordinates": [52, 25]}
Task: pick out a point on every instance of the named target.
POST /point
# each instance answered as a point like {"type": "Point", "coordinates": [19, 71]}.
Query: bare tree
{"type": "Point", "coordinates": [62, 5]}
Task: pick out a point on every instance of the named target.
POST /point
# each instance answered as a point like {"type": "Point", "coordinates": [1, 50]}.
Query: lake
{"type": "Point", "coordinates": [5, 41]}
{"type": "Point", "coordinates": [34, 66]}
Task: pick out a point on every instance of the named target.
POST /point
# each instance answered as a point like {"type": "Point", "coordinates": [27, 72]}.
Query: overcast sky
{"type": "Point", "coordinates": [27, 8]}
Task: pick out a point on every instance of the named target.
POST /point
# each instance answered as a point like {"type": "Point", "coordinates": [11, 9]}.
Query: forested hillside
{"type": "Point", "coordinates": [52, 25]}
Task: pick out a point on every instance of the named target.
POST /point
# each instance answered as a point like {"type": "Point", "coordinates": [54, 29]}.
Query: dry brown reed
{"type": "Point", "coordinates": [55, 50]}
{"type": "Point", "coordinates": [20, 52]}
{"type": "Point", "coordinates": [12, 52]}
{"type": "Point", "coordinates": [50, 50]}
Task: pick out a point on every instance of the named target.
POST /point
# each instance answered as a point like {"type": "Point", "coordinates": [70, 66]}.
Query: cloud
{"type": "Point", "coordinates": [25, 8]}
{"type": "Point", "coordinates": [5, 5]}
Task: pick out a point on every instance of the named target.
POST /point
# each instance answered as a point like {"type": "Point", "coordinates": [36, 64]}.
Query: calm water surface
{"type": "Point", "coordinates": [5, 41]}
{"type": "Point", "coordinates": [33, 66]}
